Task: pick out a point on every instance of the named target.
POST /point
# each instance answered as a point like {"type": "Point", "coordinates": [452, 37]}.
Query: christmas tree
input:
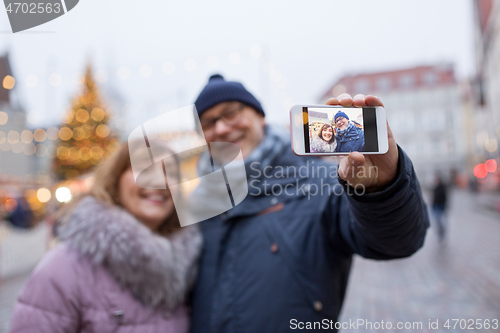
{"type": "Point", "coordinates": [85, 139]}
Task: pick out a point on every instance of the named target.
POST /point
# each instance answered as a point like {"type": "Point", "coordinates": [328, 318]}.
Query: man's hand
{"type": "Point", "coordinates": [374, 172]}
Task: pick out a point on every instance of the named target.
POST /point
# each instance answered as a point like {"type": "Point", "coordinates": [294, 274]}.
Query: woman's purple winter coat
{"type": "Point", "coordinates": [110, 274]}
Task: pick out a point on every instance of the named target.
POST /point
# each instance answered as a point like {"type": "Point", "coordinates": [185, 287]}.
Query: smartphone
{"type": "Point", "coordinates": [338, 130]}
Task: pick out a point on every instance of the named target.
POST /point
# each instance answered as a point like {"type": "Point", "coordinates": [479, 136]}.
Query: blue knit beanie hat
{"type": "Point", "coordinates": [219, 90]}
{"type": "Point", "coordinates": [341, 114]}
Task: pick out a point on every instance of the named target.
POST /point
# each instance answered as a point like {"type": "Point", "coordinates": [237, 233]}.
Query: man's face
{"type": "Point", "coordinates": [245, 128]}
{"type": "Point", "coordinates": [341, 122]}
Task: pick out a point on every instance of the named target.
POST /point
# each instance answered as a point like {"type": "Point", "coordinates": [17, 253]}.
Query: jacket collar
{"type": "Point", "coordinates": [158, 270]}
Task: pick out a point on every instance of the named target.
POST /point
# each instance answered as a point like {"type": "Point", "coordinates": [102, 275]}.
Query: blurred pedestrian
{"type": "Point", "coordinates": [19, 212]}
{"type": "Point", "coordinates": [124, 264]}
{"type": "Point", "coordinates": [439, 206]}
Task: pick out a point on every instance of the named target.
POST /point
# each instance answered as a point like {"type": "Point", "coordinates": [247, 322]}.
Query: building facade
{"type": "Point", "coordinates": [13, 160]}
{"type": "Point", "coordinates": [487, 82]}
{"type": "Point", "coordinates": [425, 110]}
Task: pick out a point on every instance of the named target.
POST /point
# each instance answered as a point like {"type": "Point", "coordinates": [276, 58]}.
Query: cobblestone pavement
{"type": "Point", "coordinates": [459, 279]}
{"type": "Point", "coordinates": [8, 293]}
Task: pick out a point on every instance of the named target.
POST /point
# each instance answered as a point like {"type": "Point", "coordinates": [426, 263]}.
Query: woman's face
{"type": "Point", "coordinates": [327, 133]}
{"type": "Point", "coordinates": [151, 207]}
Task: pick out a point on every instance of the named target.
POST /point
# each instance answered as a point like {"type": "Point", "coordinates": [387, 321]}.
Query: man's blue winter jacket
{"type": "Point", "coordinates": [353, 140]}
{"type": "Point", "coordinates": [284, 256]}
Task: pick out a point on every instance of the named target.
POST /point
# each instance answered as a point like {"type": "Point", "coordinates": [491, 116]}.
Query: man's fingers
{"type": "Point", "coordinates": [345, 99]}
{"type": "Point", "coordinates": [359, 100]}
{"type": "Point", "coordinates": [332, 101]}
{"type": "Point", "coordinates": [349, 167]}
{"type": "Point", "coordinates": [356, 158]}
{"type": "Point", "coordinates": [373, 101]}
{"type": "Point", "coordinates": [344, 95]}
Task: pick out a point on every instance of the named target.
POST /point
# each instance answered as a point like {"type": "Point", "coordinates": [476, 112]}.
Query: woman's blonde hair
{"type": "Point", "coordinates": [105, 187]}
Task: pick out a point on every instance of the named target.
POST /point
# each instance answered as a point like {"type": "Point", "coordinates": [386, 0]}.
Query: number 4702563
{"type": "Point", "coordinates": [472, 324]}
{"type": "Point", "coordinates": [33, 8]}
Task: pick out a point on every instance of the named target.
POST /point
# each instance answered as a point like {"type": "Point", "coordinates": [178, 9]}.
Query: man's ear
{"type": "Point", "coordinates": [262, 120]}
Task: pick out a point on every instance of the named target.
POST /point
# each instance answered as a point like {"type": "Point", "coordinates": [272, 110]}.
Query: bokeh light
{"type": "Point", "coordinates": [9, 82]}
{"type": "Point", "coordinates": [102, 130]}
{"type": "Point", "coordinates": [4, 117]}
{"type": "Point", "coordinates": [491, 145]}
{"type": "Point", "coordinates": [78, 133]}
{"type": "Point", "coordinates": [52, 133]}
{"type": "Point", "coordinates": [65, 133]}
{"type": "Point", "coordinates": [85, 153]}
{"type": "Point", "coordinates": [491, 165]}
{"type": "Point", "coordinates": [98, 114]}
{"type": "Point", "coordinates": [480, 171]}
{"type": "Point", "coordinates": [13, 137]}
{"type": "Point", "coordinates": [17, 147]}
{"type": "Point", "coordinates": [43, 195]}
{"type": "Point", "coordinates": [26, 136]}
{"type": "Point", "coordinates": [62, 152]}
{"type": "Point", "coordinates": [63, 194]}
{"type": "Point", "coordinates": [10, 205]}
{"type": "Point", "coordinates": [82, 115]}
{"type": "Point", "coordinates": [96, 152]}
{"type": "Point", "coordinates": [40, 135]}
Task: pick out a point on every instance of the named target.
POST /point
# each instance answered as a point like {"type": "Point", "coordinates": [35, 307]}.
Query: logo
{"type": "Point", "coordinates": [204, 179]}
{"type": "Point", "coordinates": [26, 14]}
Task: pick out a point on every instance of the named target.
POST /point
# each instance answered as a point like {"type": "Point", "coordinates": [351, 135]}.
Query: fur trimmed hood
{"type": "Point", "coordinates": [158, 270]}
{"type": "Point", "coordinates": [319, 145]}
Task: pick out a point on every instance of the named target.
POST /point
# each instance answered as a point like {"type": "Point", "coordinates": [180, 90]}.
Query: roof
{"type": "Point", "coordinates": [483, 8]}
{"type": "Point", "coordinates": [402, 79]}
{"type": "Point", "coordinates": [317, 114]}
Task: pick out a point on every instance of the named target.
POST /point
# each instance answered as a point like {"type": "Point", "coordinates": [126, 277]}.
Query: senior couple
{"type": "Point", "coordinates": [345, 139]}
{"type": "Point", "coordinates": [125, 265]}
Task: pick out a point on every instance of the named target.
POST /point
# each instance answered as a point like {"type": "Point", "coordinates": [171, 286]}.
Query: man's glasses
{"type": "Point", "coordinates": [230, 118]}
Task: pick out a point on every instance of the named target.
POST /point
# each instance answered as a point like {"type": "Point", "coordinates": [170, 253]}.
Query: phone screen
{"type": "Point", "coordinates": [340, 130]}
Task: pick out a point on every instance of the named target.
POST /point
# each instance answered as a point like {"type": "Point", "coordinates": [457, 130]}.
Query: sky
{"type": "Point", "coordinates": [304, 48]}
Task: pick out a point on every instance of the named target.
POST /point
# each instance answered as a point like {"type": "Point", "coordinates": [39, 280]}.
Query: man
{"type": "Point", "coordinates": [280, 258]}
{"type": "Point", "coordinates": [349, 137]}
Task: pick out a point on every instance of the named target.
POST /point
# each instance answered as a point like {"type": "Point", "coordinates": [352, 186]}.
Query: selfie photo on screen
{"type": "Point", "coordinates": [336, 130]}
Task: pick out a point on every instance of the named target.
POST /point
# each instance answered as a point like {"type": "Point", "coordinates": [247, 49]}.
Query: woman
{"type": "Point", "coordinates": [124, 264]}
{"type": "Point", "coordinates": [324, 142]}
